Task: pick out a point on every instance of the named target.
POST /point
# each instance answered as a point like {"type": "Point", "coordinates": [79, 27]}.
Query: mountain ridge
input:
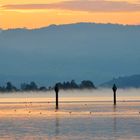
{"type": "Point", "coordinates": [71, 24]}
{"type": "Point", "coordinates": [96, 52]}
{"type": "Point", "coordinates": [132, 81]}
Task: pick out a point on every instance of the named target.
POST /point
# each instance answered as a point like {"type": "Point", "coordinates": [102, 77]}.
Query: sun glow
{"type": "Point", "coordinates": [36, 18]}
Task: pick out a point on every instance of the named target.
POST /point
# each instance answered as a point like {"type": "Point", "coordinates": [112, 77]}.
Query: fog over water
{"type": "Point", "coordinates": [72, 95]}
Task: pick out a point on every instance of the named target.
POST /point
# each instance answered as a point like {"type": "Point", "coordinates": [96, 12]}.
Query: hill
{"type": "Point", "coordinates": [124, 82]}
{"type": "Point", "coordinates": [79, 51]}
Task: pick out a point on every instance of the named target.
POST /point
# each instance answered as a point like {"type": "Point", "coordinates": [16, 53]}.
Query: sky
{"type": "Point", "coordinates": [40, 13]}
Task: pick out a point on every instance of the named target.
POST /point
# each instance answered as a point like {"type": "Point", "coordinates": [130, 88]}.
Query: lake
{"type": "Point", "coordinates": [88, 114]}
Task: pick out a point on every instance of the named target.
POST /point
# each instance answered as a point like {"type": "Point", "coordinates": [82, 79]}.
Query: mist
{"type": "Point", "coordinates": [102, 94]}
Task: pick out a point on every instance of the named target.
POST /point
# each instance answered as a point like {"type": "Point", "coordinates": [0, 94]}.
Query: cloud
{"type": "Point", "coordinates": [82, 5]}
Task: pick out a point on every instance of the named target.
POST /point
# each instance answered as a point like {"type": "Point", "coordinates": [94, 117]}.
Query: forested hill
{"type": "Point", "coordinates": [124, 82]}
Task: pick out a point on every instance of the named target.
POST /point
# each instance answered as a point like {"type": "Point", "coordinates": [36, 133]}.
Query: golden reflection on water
{"type": "Point", "coordinates": [87, 102]}
{"type": "Point", "coordinates": [100, 109]}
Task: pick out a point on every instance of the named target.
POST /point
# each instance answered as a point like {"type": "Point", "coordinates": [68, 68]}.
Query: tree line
{"type": "Point", "coordinates": [32, 86]}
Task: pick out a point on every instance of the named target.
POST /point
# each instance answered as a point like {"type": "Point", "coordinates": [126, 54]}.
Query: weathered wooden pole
{"type": "Point", "coordinates": [114, 88]}
{"type": "Point", "coordinates": [56, 92]}
{"type": "Point", "coordinates": [114, 98]}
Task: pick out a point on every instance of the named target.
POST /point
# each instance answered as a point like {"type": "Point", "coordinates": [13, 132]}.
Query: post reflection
{"type": "Point", "coordinates": [114, 122]}
{"type": "Point", "coordinates": [114, 108]}
{"type": "Point", "coordinates": [57, 127]}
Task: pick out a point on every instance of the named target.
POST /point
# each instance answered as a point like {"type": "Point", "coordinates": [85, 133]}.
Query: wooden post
{"type": "Point", "coordinates": [115, 98]}
{"type": "Point", "coordinates": [114, 88]}
{"type": "Point", "coordinates": [56, 92]}
{"type": "Point", "coordinates": [57, 100]}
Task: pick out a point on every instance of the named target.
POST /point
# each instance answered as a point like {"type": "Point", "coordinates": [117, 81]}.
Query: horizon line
{"type": "Point", "coordinates": [37, 28]}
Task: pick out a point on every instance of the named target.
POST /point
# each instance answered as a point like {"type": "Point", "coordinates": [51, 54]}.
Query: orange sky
{"type": "Point", "coordinates": [39, 13]}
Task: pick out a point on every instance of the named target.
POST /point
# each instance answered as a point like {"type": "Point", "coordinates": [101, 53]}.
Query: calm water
{"type": "Point", "coordinates": [71, 128]}
{"type": "Point", "coordinates": [82, 115]}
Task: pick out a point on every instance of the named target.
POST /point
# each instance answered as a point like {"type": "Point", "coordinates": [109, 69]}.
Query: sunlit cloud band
{"type": "Point", "coordinates": [81, 5]}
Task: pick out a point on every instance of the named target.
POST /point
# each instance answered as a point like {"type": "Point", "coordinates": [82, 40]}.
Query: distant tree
{"type": "Point", "coordinates": [23, 86]}
{"type": "Point", "coordinates": [33, 86]}
{"type": "Point", "coordinates": [2, 89]}
{"type": "Point", "coordinates": [87, 84]}
{"type": "Point", "coordinates": [74, 85]}
{"type": "Point", "coordinates": [29, 87]}
{"type": "Point", "coordinates": [42, 88]}
{"type": "Point", "coordinates": [60, 85]}
{"type": "Point", "coordinates": [10, 87]}
{"type": "Point", "coordinates": [68, 85]}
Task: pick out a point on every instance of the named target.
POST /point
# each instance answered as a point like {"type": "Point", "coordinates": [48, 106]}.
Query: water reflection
{"type": "Point", "coordinates": [114, 108]}
{"type": "Point", "coordinates": [57, 127]}
{"type": "Point", "coordinates": [114, 122]}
